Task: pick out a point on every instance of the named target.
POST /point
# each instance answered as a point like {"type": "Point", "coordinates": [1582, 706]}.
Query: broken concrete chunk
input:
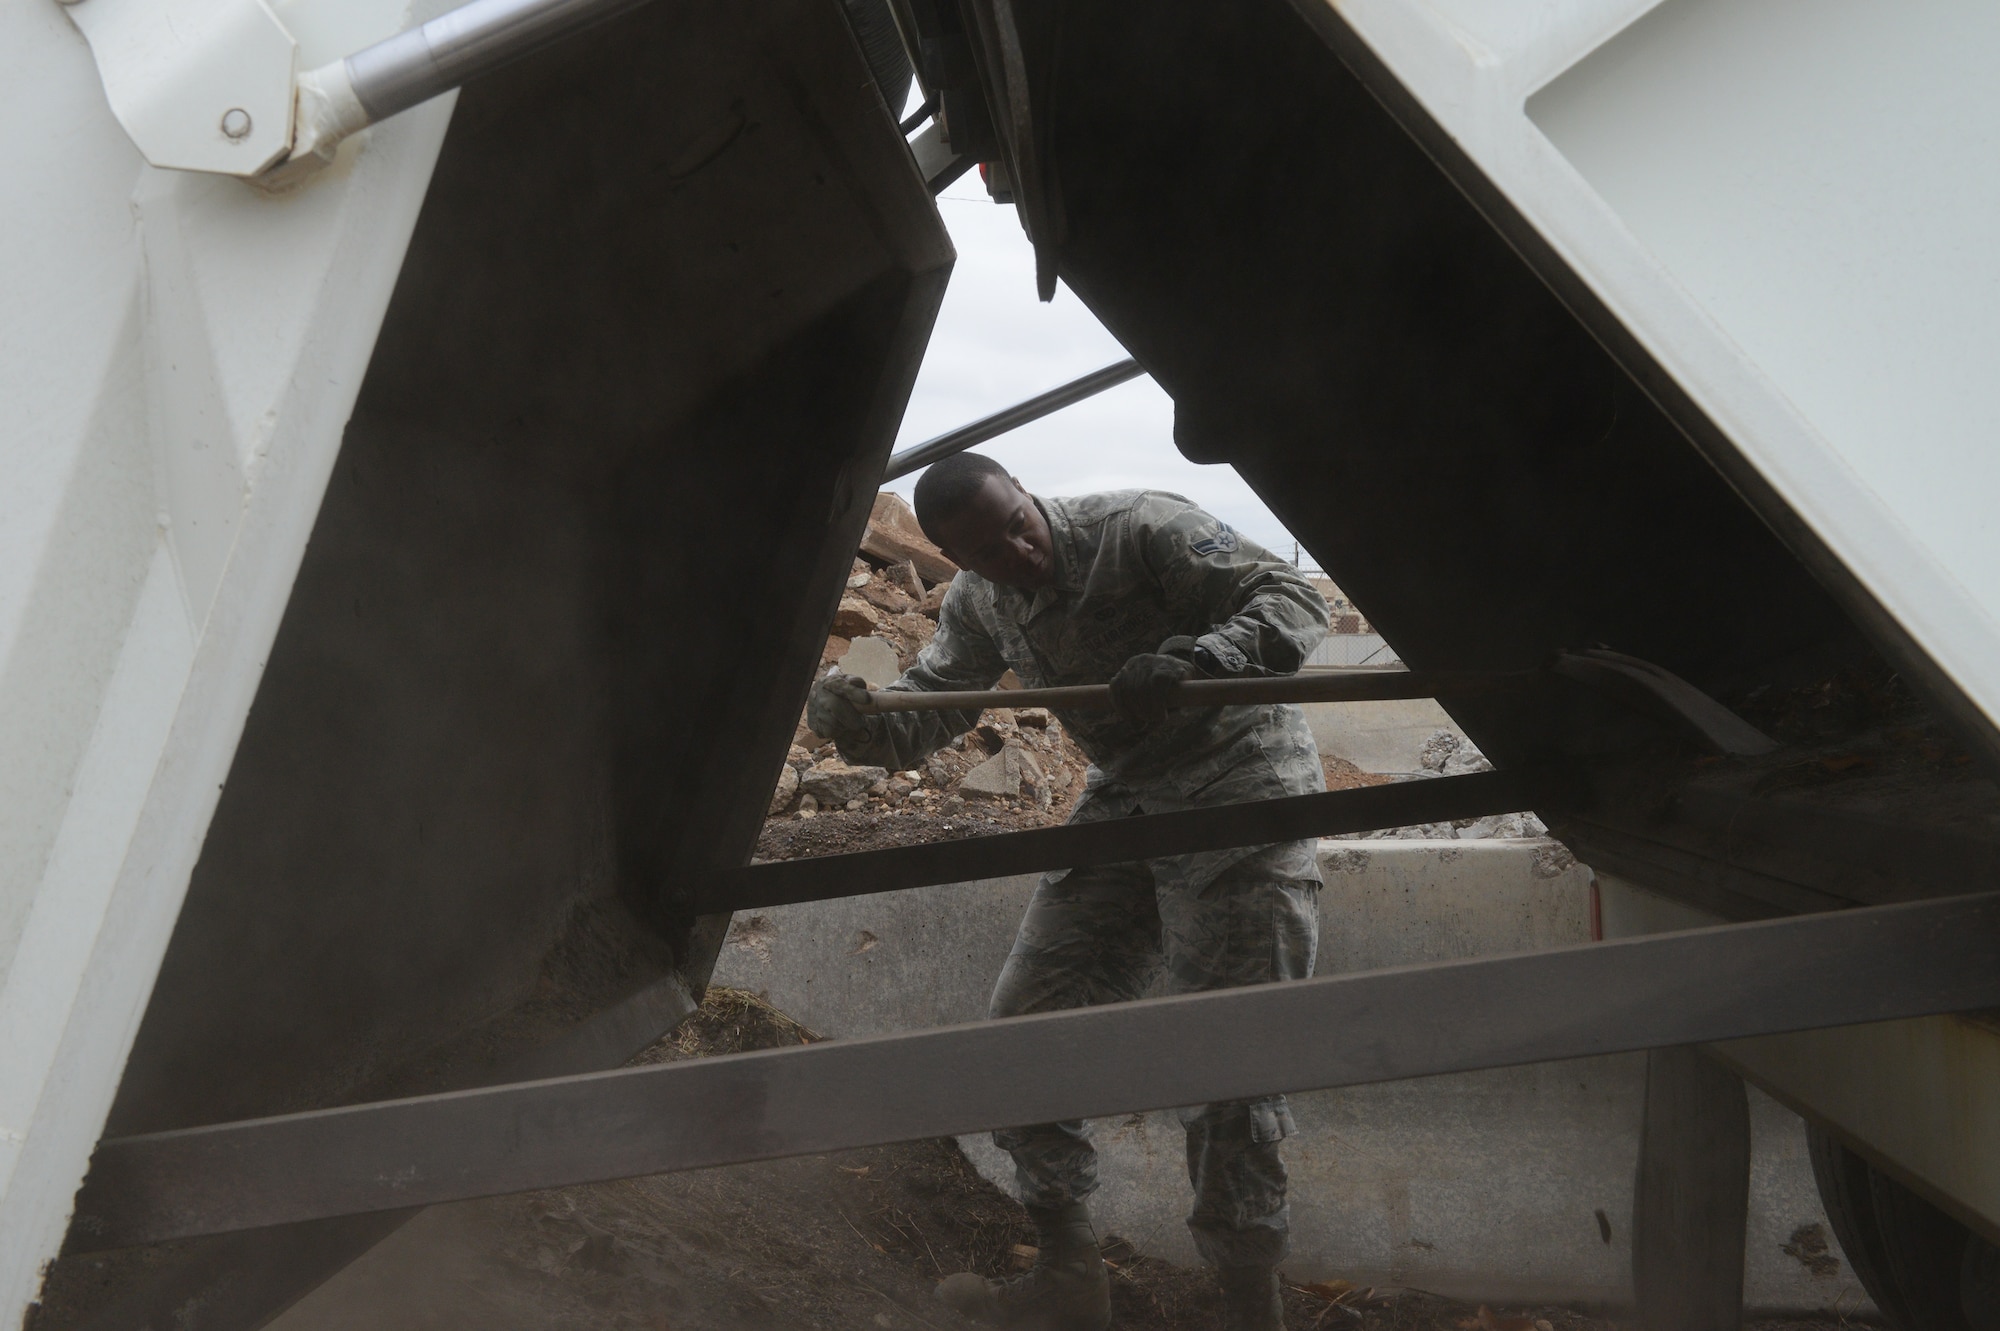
{"type": "Point", "coordinates": [996, 778]}
{"type": "Point", "coordinates": [1012, 773]}
{"type": "Point", "coordinates": [833, 783]}
{"type": "Point", "coordinates": [856, 581]}
{"type": "Point", "coordinates": [934, 601]}
{"type": "Point", "coordinates": [1515, 826]}
{"type": "Point", "coordinates": [1440, 746]}
{"type": "Point", "coordinates": [891, 512]}
{"type": "Point", "coordinates": [1465, 761]}
{"type": "Point", "coordinates": [916, 628]}
{"type": "Point", "coordinates": [891, 600]}
{"type": "Point", "coordinates": [894, 536]}
{"type": "Point", "coordinates": [855, 618]}
{"type": "Point", "coordinates": [1450, 754]}
{"type": "Point", "coordinates": [1553, 860]}
{"type": "Point", "coordinates": [873, 660]}
{"type": "Point", "coordinates": [1031, 766]}
{"type": "Point", "coordinates": [1037, 717]}
{"type": "Point", "coordinates": [1034, 781]}
{"type": "Point", "coordinates": [903, 577]}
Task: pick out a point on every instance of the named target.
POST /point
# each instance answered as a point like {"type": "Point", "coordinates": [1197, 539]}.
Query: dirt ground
{"type": "Point", "coordinates": [839, 832]}
{"type": "Point", "coordinates": [849, 1242]}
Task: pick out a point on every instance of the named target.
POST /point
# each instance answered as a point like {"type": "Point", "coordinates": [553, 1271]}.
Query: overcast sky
{"type": "Point", "coordinates": [995, 344]}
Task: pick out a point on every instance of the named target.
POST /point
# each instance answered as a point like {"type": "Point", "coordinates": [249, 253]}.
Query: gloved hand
{"type": "Point", "coordinates": [1139, 690]}
{"type": "Point", "coordinates": [833, 708]}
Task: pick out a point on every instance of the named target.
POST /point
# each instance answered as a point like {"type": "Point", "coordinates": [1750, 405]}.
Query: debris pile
{"type": "Point", "coordinates": [1017, 766]}
{"type": "Point", "coordinates": [1016, 769]}
{"type": "Point", "coordinates": [1016, 762]}
{"type": "Point", "coordinates": [1448, 753]}
{"type": "Point", "coordinates": [892, 605]}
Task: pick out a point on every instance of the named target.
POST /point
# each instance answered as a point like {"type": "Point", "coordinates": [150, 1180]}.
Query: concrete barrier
{"type": "Point", "coordinates": [1510, 1185]}
{"type": "Point", "coordinates": [1377, 736]}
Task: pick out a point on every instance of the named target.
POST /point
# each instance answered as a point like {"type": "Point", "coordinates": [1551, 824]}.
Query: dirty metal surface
{"type": "Point", "coordinates": [1488, 465]}
{"type": "Point", "coordinates": [621, 373]}
{"type": "Point", "coordinates": [247, 1278]}
{"type": "Point", "coordinates": [1145, 836]}
{"type": "Point", "coordinates": [1797, 973]}
{"type": "Point", "coordinates": [610, 383]}
{"type": "Point", "coordinates": [1348, 331]}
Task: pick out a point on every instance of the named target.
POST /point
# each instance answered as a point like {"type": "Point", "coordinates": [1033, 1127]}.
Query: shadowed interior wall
{"type": "Point", "coordinates": [649, 349]}
{"type": "Point", "coordinates": [1333, 317]}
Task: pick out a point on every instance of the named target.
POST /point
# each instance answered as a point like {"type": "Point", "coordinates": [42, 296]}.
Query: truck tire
{"type": "Point", "coordinates": [1911, 1257]}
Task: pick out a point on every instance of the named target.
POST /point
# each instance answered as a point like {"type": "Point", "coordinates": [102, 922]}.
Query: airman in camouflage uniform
{"type": "Point", "coordinates": [1142, 573]}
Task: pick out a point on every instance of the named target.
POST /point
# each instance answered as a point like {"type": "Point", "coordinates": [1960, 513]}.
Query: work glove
{"type": "Point", "coordinates": [833, 709]}
{"type": "Point", "coordinates": [1140, 689]}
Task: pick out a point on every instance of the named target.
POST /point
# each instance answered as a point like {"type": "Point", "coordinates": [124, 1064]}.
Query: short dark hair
{"type": "Point", "coordinates": [949, 484]}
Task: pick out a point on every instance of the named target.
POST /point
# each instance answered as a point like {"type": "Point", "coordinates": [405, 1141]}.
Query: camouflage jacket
{"type": "Point", "coordinates": [1133, 568]}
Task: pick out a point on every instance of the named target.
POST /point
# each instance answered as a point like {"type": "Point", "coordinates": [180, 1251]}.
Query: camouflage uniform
{"type": "Point", "coordinates": [1133, 569]}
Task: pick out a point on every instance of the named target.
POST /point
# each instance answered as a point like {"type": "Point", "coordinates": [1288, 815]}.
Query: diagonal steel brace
{"type": "Point", "coordinates": [1773, 976]}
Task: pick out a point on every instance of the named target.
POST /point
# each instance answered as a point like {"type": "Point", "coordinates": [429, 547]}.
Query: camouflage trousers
{"type": "Point", "coordinates": [1102, 935]}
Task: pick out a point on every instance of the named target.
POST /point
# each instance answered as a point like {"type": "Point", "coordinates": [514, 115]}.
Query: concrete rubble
{"type": "Point", "coordinates": [1450, 753]}
{"type": "Point", "coordinates": [1011, 773]}
{"type": "Point", "coordinates": [1017, 764]}
{"type": "Point", "coordinates": [832, 782]}
{"type": "Point", "coordinates": [893, 537]}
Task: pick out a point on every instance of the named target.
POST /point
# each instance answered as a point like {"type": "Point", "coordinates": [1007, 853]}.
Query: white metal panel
{"type": "Point", "coordinates": [178, 358]}
{"type": "Point", "coordinates": [1783, 200]}
{"type": "Point", "coordinates": [200, 85]}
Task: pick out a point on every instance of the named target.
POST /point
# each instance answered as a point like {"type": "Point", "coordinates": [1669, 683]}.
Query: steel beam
{"type": "Point", "coordinates": [1666, 989]}
{"type": "Point", "coordinates": [1691, 1200]}
{"type": "Point", "coordinates": [242, 1281]}
{"type": "Point", "coordinates": [1114, 841]}
{"type": "Point", "coordinates": [919, 456]}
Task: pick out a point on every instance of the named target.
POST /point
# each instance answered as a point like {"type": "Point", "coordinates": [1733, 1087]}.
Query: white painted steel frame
{"type": "Point", "coordinates": [1786, 203]}
{"type": "Point", "coordinates": [178, 359]}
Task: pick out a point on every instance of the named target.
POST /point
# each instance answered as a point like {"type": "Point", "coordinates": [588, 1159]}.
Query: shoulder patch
{"type": "Point", "coordinates": [1224, 542]}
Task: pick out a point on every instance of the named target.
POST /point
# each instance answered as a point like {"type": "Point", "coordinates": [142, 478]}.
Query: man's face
{"type": "Point", "coordinates": [1001, 536]}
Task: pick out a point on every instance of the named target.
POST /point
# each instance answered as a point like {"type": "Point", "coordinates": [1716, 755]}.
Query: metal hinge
{"type": "Point", "coordinates": [213, 85]}
{"type": "Point", "coordinates": [199, 85]}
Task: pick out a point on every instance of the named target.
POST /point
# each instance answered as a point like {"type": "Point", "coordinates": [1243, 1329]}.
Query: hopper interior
{"type": "Point", "coordinates": [1346, 311]}
{"type": "Point", "coordinates": [619, 437]}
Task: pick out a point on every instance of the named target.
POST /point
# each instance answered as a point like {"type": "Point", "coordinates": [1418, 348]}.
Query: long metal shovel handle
{"type": "Point", "coordinates": [1355, 686]}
